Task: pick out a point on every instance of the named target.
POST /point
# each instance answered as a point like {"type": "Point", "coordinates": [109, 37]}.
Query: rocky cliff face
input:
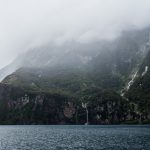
{"type": "Point", "coordinates": [18, 106]}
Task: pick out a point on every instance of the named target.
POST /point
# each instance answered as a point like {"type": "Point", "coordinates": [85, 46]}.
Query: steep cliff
{"type": "Point", "coordinates": [18, 106]}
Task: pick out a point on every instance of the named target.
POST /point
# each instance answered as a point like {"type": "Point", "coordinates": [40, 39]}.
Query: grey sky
{"type": "Point", "coordinates": [26, 24]}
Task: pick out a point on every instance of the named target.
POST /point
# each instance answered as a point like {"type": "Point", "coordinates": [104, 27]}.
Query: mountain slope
{"type": "Point", "coordinates": [54, 83]}
{"type": "Point", "coordinates": [140, 90]}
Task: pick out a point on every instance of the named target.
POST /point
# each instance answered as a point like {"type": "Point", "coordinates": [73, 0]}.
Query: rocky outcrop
{"type": "Point", "coordinates": [18, 106]}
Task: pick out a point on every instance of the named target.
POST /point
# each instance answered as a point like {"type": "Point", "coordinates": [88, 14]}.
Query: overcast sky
{"type": "Point", "coordinates": [26, 24]}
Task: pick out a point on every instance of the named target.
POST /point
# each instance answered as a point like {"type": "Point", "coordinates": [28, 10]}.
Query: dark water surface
{"type": "Point", "coordinates": [75, 137]}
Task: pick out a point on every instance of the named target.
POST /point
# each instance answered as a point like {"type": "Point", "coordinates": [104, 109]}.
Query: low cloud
{"type": "Point", "coordinates": [26, 24]}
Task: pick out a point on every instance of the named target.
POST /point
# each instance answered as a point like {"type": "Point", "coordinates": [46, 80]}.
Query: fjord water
{"type": "Point", "coordinates": [67, 137]}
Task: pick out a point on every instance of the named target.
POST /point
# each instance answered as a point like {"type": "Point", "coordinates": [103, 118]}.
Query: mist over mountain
{"type": "Point", "coordinates": [75, 54]}
{"type": "Point", "coordinates": [74, 62]}
{"type": "Point", "coordinates": [104, 74]}
{"type": "Point", "coordinates": [31, 24]}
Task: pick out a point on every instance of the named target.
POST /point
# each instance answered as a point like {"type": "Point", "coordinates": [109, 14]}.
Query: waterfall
{"type": "Point", "coordinates": [145, 71]}
{"type": "Point", "coordinates": [131, 81]}
{"type": "Point", "coordinates": [143, 51]}
{"type": "Point", "coordinates": [84, 105]}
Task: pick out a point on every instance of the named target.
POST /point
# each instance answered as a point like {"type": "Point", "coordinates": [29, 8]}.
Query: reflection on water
{"type": "Point", "coordinates": [74, 137]}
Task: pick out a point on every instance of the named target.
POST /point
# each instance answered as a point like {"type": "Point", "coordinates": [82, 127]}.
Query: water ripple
{"type": "Point", "coordinates": [74, 137]}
